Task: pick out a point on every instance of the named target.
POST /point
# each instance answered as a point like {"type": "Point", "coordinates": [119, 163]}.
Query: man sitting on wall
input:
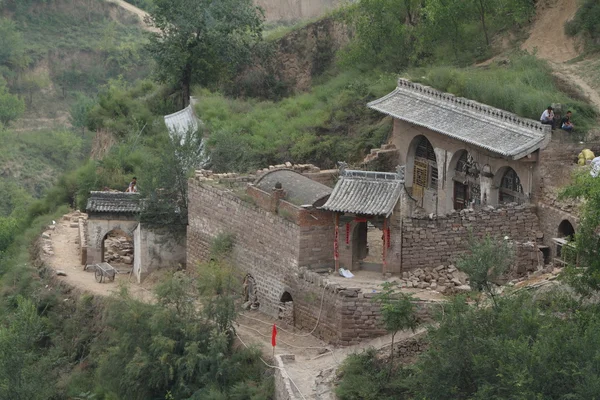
{"type": "Point", "coordinates": [565, 123]}
{"type": "Point", "coordinates": [547, 117]}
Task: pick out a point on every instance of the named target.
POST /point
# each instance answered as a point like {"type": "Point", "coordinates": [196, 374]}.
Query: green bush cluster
{"type": "Point", "coordinates": [587, 24]}
{"type": "Point", "coordinates": [328, 124]}
{"type": "Point", "coordinates": [524, 85]}
{"type": "Point", "coordinates": [541, 346]}
{"type": "Point", "coordinates": [429, 32]}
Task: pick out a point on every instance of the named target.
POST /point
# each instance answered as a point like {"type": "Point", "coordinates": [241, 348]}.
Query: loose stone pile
{"type": "Point", "coordinates": [119, 249]}
{"type": "Point", "coordinates": [209, 175]}
{"type": "Point", "coordinates": [444, 279]}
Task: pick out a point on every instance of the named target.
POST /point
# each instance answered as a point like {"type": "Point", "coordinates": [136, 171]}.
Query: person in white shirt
{"type": "Point", "coordinates": [132, 188]}
{"type": "Point", "coordinates": [547, 117]}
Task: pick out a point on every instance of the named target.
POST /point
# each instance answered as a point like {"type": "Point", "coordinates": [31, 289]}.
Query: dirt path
{"type": "Point", "coordinates": [548, 36]}
{"type": "Point", "coordinates": [313, 370]}
{"type": "Point", "coordinates": [549, 42]}
{"type": "Point", "coordinates": [137, 11]}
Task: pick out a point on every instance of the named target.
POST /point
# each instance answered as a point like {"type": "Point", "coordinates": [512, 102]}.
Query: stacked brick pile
{"type": "Point", "coordinates": [444, 279]}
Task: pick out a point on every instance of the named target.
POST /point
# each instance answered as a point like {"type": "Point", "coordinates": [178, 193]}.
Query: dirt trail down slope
{"type": "Point", "coordinates": [549, 42]}
{"type": "Point", "coordinates": [548, 36]}
{"type": "Point", "coordinates": [137, 11]}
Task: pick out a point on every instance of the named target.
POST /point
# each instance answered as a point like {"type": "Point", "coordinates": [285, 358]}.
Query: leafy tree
{"type": "Point", "coordinates": [585, 274]}
{"type": "Point", "coordinates": [11, 106]}
{"type": "Point", "coordinates": [12, 54]}
{"type": "Point", "coordinates": [202, 41]}
{"type": "Point", "coordinates": [80, 110]}
{"type": "Point", "coordinates": [486, 261]}
{"type": "Point", "coordinates": [25, 374]}
{"type": "Point", "coordinates": [384, 33]}
{"type": "Point", "coordinates": [30, 83]}
{"type": "Point", "coordinates": [164, 179]}
{"type": "Point", "coordinates": [397, 312]}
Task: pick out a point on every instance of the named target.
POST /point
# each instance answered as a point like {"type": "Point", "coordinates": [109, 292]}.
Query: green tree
{"type": "Point", "coordinates": [397, 312]}
{"type": "Point", "coordinates": [584, 275]}
{"type": "Point", "coordinates": [202, 41]}
{"type": "Point", "coordinates": [11, 106]}
{"type": "Point", "coordinates": [384, 33]}
{"type": "Point", "coordinates": [12, 53]}
{"type": "Point", "coordinates": [486, 260]}
{"type": "Point", "coordinates": [25, 374]}
{"type": "Point", "coordinates": [80, 110]}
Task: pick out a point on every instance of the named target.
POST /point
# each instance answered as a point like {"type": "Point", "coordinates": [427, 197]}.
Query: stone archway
{"type": "Point", "coordinates": [286, 309]}
{"type": "Point", "coordinates": [566, 230]}
{"type": "Point", "coordinates": [509, 186]}
{"type": "Point", "coordinates": [464, 173]}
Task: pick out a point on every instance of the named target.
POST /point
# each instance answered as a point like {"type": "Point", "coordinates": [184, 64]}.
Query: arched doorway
{"type": "Point", "coordinates": [367, 245]}
{"type": "Point", "coordinates": [118, 249]}
{"type": "Point", "coordinates": [467, 187]}
{"type": "Point", "coordinates": [424, 170]}
{"type": "Point", "coordinates": [566, 230]}
{"type": "Point", "coordinates": [510, 189]}
{"type": "Point", "coordinates": [286, 309]}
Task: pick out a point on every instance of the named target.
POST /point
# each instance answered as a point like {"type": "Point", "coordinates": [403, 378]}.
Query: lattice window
{"type": "Point", "coordinates": [511, 181]}
{"type": "Point", "coordinates": [427, 175]}
{"type": "Point", "coordinates": [425, 150]}
{"type": "Point", "coordinates": [461, 165]}
{"type": "Point", "coordinates": [420, 172]}
{"type": "Point", "coordinates": [433, 181]}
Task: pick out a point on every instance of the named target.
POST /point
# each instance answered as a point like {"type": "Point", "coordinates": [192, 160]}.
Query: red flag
{"type": "Point", "coordinates": [274, 336]}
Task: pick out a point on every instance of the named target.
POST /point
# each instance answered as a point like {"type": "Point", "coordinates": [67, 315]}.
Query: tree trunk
{"type": "Point", "coordinates": [392, 354]}
{"type": "Point", "coordinates": [186, 82]}
{"type": "Point", "coordinates": [482, 15]}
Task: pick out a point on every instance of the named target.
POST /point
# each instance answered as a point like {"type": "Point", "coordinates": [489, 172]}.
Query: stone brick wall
{"type": "Point", "coordinates": [429, 243]}
{"type": "Point", "coordinates": [266, 245]}
{"type": "Point", "coordinates": [348, 315]}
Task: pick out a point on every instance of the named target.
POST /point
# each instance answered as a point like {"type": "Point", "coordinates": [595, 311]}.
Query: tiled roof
{"type": "Point", "coordinates": [465, 120]}
{"type": "Point", "coordinates": [181, 122]}
{"type": "Point", "coordinates": [365, 193]}
{"type": "Point", "coordinates": [113, 202]}
{"type": "Point", "coordinates": [299, 189]}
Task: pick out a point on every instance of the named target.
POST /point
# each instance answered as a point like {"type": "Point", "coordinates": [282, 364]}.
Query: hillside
{"type": "Point", "coordinates": [302, 98]}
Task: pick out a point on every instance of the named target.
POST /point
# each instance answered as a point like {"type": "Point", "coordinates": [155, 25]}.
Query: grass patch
{"type": "Point", "coordinates": [328, 124]}
{"type": "Point", "coordinates": [35, 159]}
{"type": "Point", "coordinates": [525, 86]}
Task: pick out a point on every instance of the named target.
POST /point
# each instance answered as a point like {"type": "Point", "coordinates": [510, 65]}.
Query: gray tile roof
{"type": "Point", "coordinates": [466, 120]}
{"type": "Point", "coordinates": [182, 121]}
{"type": "Point", "coordinates": [299, 189]}
{"type": "Point", "coordinates": [113, 202]}
{"type": "Point", "coordinates": [365, 193]}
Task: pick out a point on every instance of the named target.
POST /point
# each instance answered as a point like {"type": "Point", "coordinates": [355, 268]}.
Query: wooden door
{"type": "Point", "coordinates": [461, 198]}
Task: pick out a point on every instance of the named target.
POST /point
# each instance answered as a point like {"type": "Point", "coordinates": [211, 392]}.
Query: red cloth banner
{"type": "Point", "coordinates": [388, 238]}
{"type": "Point", "coordinates": [274, 336]}
{"type": "Point", "coordinates": [336, 253]}
{"type": "Point", "coordinates": [347, 233]}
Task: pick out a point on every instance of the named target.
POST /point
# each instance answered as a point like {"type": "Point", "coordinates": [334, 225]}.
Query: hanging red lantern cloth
{"type": "Point", "coordinates": [347, 232]}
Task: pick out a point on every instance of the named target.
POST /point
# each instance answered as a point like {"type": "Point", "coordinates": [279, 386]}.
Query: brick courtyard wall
{"type": "Point", "coordinates": [429, 243]}
{"type": "Point", "coordinates": [266, 245]}
{"type": "Point", "coordinates": [349, 316]}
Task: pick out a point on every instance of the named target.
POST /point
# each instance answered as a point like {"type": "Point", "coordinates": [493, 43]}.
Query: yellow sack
{"type": "Point", "coordinates": [581, 160]}
{"type": "Point", "coordinates": [587, 154]}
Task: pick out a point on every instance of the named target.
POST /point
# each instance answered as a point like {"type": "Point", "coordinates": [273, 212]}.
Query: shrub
{"type": "Point", "coordinates": [587, 23]}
